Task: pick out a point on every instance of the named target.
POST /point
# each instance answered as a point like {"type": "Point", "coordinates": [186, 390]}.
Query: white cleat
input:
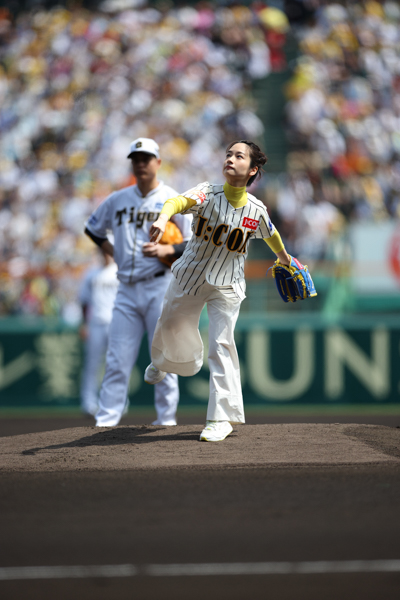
{"type": "Point", "coordinates": [215, 431]}
{"type": "Point", "coordinates": [152, 375]}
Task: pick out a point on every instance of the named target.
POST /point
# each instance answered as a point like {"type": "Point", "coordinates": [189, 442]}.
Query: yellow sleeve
{"type": "Point", "coordinates": [177, 205]}
{"type": "Point", "coordinates": [275, 242]}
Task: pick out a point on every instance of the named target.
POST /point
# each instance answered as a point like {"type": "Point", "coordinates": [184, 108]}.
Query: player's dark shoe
{"type": "Point", "coordinates": [215, 431]}
{"type": "Point", "coordinates": [152, 375]}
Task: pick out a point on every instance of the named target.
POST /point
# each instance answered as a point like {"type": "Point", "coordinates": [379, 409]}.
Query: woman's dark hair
{"type": "Point", "coordinates": [257, 158]}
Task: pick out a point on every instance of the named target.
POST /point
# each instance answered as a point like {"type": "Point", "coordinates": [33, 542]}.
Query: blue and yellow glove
{"type": "Point", "coordinates": [294, 281]}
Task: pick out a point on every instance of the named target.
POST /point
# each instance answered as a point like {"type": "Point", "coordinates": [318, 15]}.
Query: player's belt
{"type": "Point", "coordinates": [159, 274]}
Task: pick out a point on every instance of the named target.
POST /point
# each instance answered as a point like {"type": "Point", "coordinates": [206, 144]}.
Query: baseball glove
{"type": "Point", "coordinates": [293, 282]}
{"type": "Point", "coordinates": [172, 235]}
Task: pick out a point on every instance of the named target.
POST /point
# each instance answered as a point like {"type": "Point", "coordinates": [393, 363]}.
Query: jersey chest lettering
{"type": "Point", "coordinates": [132, 215]}
{"type": "Point", "coordinates": [236, 241]}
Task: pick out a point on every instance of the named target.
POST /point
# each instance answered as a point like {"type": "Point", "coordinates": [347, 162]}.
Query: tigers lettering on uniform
{"type": "Point", "coordinates": [129, 216]}
{"type": "Point", "coordinates": [138, 218]}
{"type": "Point", "coordinates": [119, 214]}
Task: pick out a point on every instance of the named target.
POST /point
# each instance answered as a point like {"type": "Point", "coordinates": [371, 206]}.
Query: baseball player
{"type": "Point", "coordinates": [97, 296]}
{"type": "Point", "coordinates": [143, 277]}
{"type": "Point", "coordinates": [211, 271]}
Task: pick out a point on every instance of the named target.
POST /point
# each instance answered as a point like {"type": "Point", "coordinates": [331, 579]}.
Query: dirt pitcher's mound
{"type": "Point", "coordinates": [154, 447]}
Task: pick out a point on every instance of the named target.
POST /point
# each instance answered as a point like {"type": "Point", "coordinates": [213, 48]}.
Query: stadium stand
{"type": "Point", "coordinates": [78, 84]}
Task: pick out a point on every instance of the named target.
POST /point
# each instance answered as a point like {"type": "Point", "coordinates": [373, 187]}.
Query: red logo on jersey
{"type": "Point", "coordinates": [201, 196]}
{"type": "Point", "coordinates": [250, 223]}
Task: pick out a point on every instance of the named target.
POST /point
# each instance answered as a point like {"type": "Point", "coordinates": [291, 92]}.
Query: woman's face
{"type": "Point", "coordinates": [237, 164]}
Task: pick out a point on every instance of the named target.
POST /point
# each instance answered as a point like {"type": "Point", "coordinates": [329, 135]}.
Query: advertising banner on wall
{"type": "Point", "coordinates": [353, 361]}
{"type": "Point", "coordinates": [375, 257]}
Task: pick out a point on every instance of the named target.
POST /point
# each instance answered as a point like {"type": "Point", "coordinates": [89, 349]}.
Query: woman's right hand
{"type": "Point", "coordinates": [158, 228]}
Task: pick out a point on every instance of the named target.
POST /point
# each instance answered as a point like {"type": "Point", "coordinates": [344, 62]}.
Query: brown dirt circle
{"type": "Point", "coordinates": [154, 447]}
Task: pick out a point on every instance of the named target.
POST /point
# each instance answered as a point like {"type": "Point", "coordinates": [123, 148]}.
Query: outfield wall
{"type": "Point", "coordinates": [284, 361]}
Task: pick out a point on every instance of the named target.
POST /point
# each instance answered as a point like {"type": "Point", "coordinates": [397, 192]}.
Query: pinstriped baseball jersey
{"type": "Point", "coordinates": [130, 215]}
{"type": "Point", "coordinates": [219, 246]}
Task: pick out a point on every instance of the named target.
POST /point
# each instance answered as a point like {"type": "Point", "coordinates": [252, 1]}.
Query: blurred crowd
{"type": "Point", "coordinates": [77, 86]}
{"type": "Point", "coordinates": [343, 115]}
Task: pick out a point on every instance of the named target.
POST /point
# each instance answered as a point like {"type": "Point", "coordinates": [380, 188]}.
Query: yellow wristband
{"type": "Point", "coordinates": [176, 205]}
{"type": "Point", "coordinates": [275, 242]}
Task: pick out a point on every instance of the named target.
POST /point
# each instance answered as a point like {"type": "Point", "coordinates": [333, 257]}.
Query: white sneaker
{"type": "Point", "coordinates": [153, 375]}
{"type": "Point", "coordinates": [164, 423]}
{"type": "Point", "coordinates": [215, 431]}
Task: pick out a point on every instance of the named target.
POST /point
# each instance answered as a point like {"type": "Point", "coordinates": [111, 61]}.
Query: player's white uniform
{"type": "Point", "coordinates": [98, 292]}
{"type": "Point", "coordinates": [144, 281]}
{"type": "Point", "coordinates": [210, 271]}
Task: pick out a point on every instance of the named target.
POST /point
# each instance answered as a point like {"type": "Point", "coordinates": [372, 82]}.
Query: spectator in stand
{"type": "Point", "coordinates": [344, 117]}
{"type": "Point", "coordinates": [74, 85]}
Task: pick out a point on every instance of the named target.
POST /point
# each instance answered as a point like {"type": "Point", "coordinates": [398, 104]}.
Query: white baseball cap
{"type": "Point", "coordinates": [145, 145]}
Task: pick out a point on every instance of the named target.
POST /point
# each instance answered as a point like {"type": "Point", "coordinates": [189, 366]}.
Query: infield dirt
{"type": "Point", "coordinates": [141, 495]}
{"type": "Point", "coordinates": [154, 447]}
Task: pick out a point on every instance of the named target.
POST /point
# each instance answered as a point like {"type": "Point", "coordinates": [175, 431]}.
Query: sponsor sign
{"type": "Point", "coordinates": [280, 363]}
{"type": "Point", "coordinates": [375, 258]}
{"type": "Point", "coordinates": [394, 254]}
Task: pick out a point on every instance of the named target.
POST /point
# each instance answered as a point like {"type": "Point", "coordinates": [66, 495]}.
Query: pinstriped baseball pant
{"type": "Point", "coordinates": [178, 348]}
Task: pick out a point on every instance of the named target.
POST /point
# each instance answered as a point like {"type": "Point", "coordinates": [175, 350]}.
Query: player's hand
{"type": "Point", "coordinates": [284, 257]}
{"type": "Point", "coordinates": [158, 250]}
{"type": "Point", "coordinates": [158, 228]}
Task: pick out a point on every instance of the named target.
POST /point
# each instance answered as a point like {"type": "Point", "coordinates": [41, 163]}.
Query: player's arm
{"type": "Point", "coordinates": [178, 232]}
{"type": "Point", "coordinates": [171, 207]}
{"type": "Point", "coordinates": [103, 243]}
{"type": "Point", "coordinates": [99, 223]}
{"type": "Point", "coordinates": [178, 249]}
{"type": "Point", "coordinates": [167, 251]}
{"type": "Point", "coordinates": [276, 244]}
{"type": "Point", "coordinates": [83, 329]}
